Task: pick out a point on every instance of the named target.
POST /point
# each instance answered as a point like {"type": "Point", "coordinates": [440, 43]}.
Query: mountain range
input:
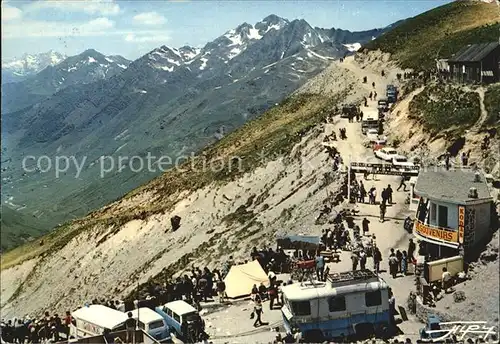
{"type": "Point", "coordinates": [169, 102]}
{"type": "Point", "coordinates": [18, 69]}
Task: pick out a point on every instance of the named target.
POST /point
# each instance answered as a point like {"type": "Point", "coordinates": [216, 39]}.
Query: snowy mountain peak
{"type": "Point", "coordinates": [188, 53]}
{"type": "Point", "coordinates": [271, 22]}
{"type": "Point", "coordinates": [17, 69]}
{"type": "Point", "coordinates": [273, 19]}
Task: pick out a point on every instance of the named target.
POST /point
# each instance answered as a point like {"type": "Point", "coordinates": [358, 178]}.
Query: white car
{"type": "Point", "coordinates": [374, 137]}
{"type": "Point", "coordinates": [402, 161]}
{"type": "Point", "coordinates": [386, 153]}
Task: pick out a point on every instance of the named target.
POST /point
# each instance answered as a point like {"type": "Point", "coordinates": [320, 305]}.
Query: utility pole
{"type": "Point", "coordinates": [349, 183]}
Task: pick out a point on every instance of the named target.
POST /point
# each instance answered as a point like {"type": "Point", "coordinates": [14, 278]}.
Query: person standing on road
{"type": "Point", "coordinates": [393, 264]}
{"type": "Point", "coordinates": [355, 260]}
{"type": "Point", "coordinates": [130, 325]}
{"type": "Point", "coordinates": [389, 193]}
{"type": "Point", "coordinates": [399, 256]}
{"type": "Point", "coordinates": [377, 258]}
{"type": "Point", "coordinates": [404, 263]}
{"type": "Point", "coordinates": [411, 248]}
{"type": "Point", "coordinates": [373, 84]}
{"type": "Point", "coordinates": [364, 224]}
{"type": "Point", "coordinates": [382, 211]}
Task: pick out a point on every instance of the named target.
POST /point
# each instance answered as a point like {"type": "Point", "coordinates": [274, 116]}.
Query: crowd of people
{"type": "Point", "coordinates": [32, 330]}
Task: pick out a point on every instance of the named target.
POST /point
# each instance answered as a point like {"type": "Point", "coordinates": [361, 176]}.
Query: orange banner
{"type": "Point", "coordinates": [461, 224]}
{"type": "Point", "coordinates": [436, 233]}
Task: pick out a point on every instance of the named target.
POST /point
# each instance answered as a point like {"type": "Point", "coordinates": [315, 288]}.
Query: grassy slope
{"type": "Point", "coordinates": [492, 104]}
{"type": "Point", "coordinates": [439, 33]}
{"type": "Point", "coordinates": [20, 223]}
{"type": "Point", "coordinates": [272, 134]}
{"type": "Point", "coordinates": [436, 108]}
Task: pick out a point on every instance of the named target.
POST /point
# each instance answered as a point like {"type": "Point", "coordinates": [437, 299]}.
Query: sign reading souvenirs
{"type": "Point", "coordinates": [461, 224]}
{"type": "Point", "coordinates": [435, 232]}
{"type": "Point", "coordinates": [381, 168]}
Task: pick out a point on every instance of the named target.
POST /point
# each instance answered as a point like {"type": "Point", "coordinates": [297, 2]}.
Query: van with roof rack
{"type": "Point", "coordinates": [352, 303]}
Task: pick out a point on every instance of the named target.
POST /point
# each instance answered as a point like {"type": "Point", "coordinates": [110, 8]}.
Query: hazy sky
{"type": "Point", "coordinates": [132, 28]}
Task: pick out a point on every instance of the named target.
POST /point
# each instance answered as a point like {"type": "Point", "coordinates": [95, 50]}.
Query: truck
{"type": "Point", "coordinates": [370, 120]}
{"type": "Point", "coordinates": [391, 93]}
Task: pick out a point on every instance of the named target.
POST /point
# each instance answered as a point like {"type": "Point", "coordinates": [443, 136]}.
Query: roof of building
{"type": "Point", "coordinates": [146, 315]}
{"type": "Point", "coordinates": [180, 307]}
{"type": "Point", "coordinates": [100, 315]}
{"type": "Point", "coordinates": [474, 52]}
{"type": "Point", "coordinates": [451, 186]}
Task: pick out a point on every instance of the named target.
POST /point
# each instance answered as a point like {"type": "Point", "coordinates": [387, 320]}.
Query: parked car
{"type": "Point", "coordinates": [383, 105]}
{"type": "Point", "coordinates": [183, 320]}
{"type": "Point", "coordinates": [349, 110]}
{"type": "Point", "coordinates": [386, 153]}
{"type": "Point", "coordinates": [402, 161]}
{"type": "Point", "coordinates": [374, 137]}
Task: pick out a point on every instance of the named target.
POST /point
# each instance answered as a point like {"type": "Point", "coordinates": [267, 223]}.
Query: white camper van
{"type": "Point", "coordinates": [94, 319]}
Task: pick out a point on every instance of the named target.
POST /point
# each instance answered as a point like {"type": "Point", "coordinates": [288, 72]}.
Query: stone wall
{"type": "Point", "coordinates": [424, 310]}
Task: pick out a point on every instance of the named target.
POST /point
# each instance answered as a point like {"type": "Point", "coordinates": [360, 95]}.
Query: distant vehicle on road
{"type": "Point", "coordinates": [374, 137]}
{"type": "Point", "coordinates": [402, 161]}
{"type": "Point", "coordinates": [386, 153]}
{"type": "Point", "coordinates": [383, 105]}
{"type": "Point", "coordinates": [391, 93]}
{"type": "Point", "coordinates": [370, 120]}
{"type": "Point", "coordinates": [349, 110]}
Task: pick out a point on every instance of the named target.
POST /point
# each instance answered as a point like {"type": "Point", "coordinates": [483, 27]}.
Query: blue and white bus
{"type": "Point", "coordinates": [347, 304]}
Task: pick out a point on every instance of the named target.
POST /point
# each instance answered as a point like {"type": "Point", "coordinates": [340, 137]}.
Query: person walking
{"type": "Point", "coordinates": [373, 84]}
{"type": "Point", "coordinates": [402, 183]}
{"type": "Point", "coordinates": [258, 311]}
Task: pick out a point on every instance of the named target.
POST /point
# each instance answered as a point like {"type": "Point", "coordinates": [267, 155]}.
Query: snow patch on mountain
{"type": "Point", "coordinates": [254, 34]}
{"type": "Point", "coordinates": [203, 63]}
{"type": "Point", "coordinates": [353, 46]}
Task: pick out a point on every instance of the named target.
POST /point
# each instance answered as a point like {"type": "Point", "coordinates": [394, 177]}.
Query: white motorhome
{"type": "Point", "coordinates": [348, 303]}
{"type": "Point", "coordinates": [93, 320]}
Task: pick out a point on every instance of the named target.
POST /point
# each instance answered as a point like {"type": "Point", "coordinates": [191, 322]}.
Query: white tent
{"type": "Point", "coordinates": [241, 278]}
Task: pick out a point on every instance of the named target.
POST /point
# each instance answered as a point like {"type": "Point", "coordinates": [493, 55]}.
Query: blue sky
{"type": "Point", "coordinates": [132, 28]}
